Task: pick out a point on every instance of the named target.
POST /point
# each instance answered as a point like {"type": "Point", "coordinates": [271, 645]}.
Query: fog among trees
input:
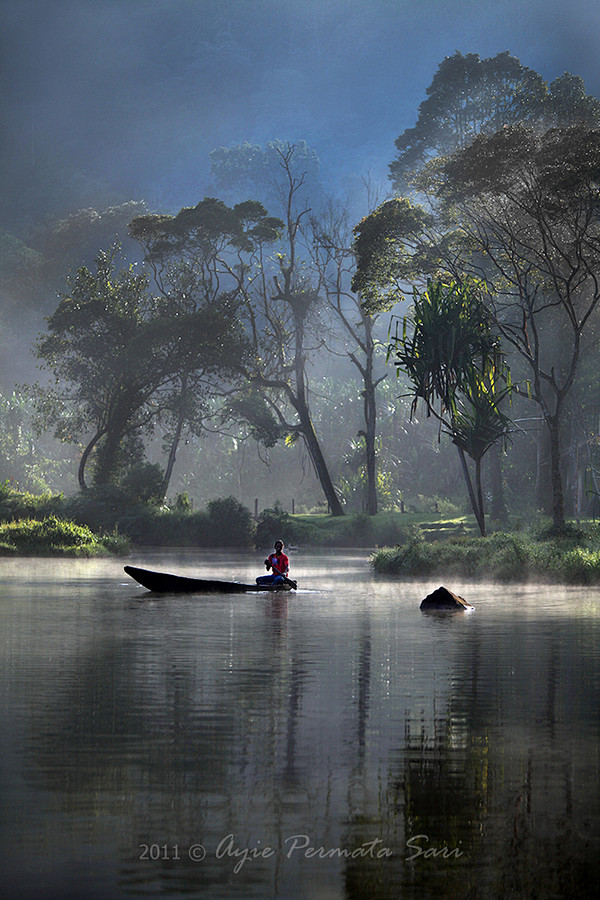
{"type": "Point", "coordinates": [261, 306]}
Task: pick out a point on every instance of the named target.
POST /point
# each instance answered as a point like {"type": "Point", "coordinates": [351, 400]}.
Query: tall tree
{"type": "Point", "coordinates": [255, 170]}
{"type": "Point", "coordinates": [287, 328]}
{"type": "Point", "coordinates": [333, 254]}
{"type": "Point", "coordinates": [116, 352]}
{"type": "Point", "coordinates": [449, 351]}
{"type": "Point", "coordinates": [202, 258]}
{"type": "Point", "coordinates": [528, 207]}
{"type": "Point", "coordinates": [467, 96]}
{"type": "Point", "coordinates": [283, 309]}
{"type": "Point", "coordinates": [520, 210]}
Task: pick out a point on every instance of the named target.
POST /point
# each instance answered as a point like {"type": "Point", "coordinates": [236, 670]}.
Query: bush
{"type": "Point", "coordinates": [53, 536]}
{"type": "Point", "coordinates": [166, 528]}
{"type": "Point", "coordinates": [145, 483]}
{"type": "Point", "coordinates": [231, 523]}
{"type": "Point", "coordinates": [100, 507]}
{"type": "Point", "coordinates": [273, 524]}
{"type": "Point", "coordinates": [572, 557]}
{"type": "Point", "coordinates": [23, 505]}
{"type": "Point", "coordinates": [582, 566]}
{"type": "Point", "coordinates": [182, 503]}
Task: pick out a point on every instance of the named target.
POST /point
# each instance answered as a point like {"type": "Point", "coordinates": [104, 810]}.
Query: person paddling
{"type": "Point", "coordinates": [280, 565]}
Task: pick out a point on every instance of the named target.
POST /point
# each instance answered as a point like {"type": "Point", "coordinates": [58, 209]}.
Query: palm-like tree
{"type": "Point", "coordinates": [452, 357]}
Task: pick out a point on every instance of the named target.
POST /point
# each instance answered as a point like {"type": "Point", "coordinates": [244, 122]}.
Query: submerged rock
{"type": "Point", "coordinates": [444, 599]}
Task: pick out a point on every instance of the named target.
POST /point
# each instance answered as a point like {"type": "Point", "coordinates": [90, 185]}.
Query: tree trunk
{"type": "Point", "coordinates": [107, 462]}
{"type": "Point", "coordinates": [477, 510]}
{"type": "Point", "coordinates": [498, 511]}
{"type": "Point", "coordinates": [481, 518]}
{"type": "Point", "coordinates": [543, 482]}
{"type": "Point", "coordinates": [318, 460]}
{"type": "Point", "coordinates": [176, 437]}
{"type": "Point", "coordinates": [300, 403]}
{"type": "Point", "coordinates": [369, 435]}
{"type": "Point", "coordinates": [119, 423]}
{"type": "Point", "coordinates": [84, 459]}
{"type": "Point", "coordinates": [370, 414]}
{"type": "Point", "coordinates": [173, 450]}
{"type": "Point", "coordinates": [558, 502]}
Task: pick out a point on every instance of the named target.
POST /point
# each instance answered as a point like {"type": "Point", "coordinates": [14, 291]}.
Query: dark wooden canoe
{"type": "Point", "coordinates": [164, 583]}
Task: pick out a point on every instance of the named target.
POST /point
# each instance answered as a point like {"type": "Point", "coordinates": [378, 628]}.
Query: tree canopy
{"type": "Point", "coordinates": [470, 96]}
{"type": "Point", "coordinates": [520, 210]}
{"type": "Point", "coordinates": [117, 351]}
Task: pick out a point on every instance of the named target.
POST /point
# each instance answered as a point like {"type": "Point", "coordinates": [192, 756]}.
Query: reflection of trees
{"type": "Point", "coordinates": [496, 774]}
{"type": "Point", "coordinates": [179, 751]}
{"type": "Point", "coordinates": [168, 739]}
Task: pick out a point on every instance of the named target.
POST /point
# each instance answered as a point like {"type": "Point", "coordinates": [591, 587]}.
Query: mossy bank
{"type": "Point", "coordinates": [570, 557]}
{"type": "Point", "coordinates": [56, 537]}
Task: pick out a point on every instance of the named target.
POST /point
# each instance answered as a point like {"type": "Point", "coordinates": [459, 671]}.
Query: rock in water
{"type": "Point", "coordinates": [444, 599]}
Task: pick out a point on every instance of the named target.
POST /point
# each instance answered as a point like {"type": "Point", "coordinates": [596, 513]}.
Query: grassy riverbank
{"type": "Point", "coordinates": [572, 557]}
{"type": "Point", "coordinates": [107, 522]}
{"type": "Point", "coordinates": [56, 537]}
{"type": "Point", "coordinates": [224, 523]}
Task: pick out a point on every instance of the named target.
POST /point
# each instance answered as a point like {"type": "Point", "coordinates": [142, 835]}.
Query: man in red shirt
{"type": "Point", "coordinates": [280, 565]}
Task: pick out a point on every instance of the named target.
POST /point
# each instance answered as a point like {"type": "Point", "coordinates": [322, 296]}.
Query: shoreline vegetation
{"type": "Point", "coordinates": [52, 536]}
{"type": "Point", "coordinates": [107, 523]}
{"type": "Point", "coordinates": [571, 556]}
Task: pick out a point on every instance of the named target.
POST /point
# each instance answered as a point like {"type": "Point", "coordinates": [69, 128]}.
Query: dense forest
{"type": "Point", "coordinates": [425, 344]}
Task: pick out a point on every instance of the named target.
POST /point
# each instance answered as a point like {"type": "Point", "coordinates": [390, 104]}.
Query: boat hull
{"type": "Point", "coordinates": [165, 583]}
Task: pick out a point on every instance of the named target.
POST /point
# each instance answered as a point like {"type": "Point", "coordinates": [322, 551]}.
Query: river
{"type": "Point", "coordinates": [328, 744]}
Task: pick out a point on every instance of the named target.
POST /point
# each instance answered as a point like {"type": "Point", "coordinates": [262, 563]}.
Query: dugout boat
{"type": "Point", "coordinates": [165, 583]}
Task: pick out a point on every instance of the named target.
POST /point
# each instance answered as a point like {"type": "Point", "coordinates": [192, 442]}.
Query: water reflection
{"type": "Point", "coordinates": [331, 743]}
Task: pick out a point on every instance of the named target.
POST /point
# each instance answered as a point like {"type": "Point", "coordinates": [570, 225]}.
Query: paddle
{"type": "Point", "coordinates": [287, 580]}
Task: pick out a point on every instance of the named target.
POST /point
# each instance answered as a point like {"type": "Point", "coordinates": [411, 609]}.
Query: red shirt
{"type": "Point", "coordinates": [279, 563]}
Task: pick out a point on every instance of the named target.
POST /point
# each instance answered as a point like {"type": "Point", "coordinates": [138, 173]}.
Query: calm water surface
{"type": "Point", "coordinates": [330, 744]}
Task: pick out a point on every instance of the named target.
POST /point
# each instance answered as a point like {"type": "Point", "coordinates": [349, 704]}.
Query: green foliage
{"type": "Point", "coordinates": [205, 230]}
{"type": "Point", "coordinates": [56, 537]}
{"type": "Point", "coordinates": [570, 105]}
{"type": "Point", "coordinates": [144, 483]}
{"type": "Point", "coordinates": [325, 531]}
{"type": "Point", "coordinates": [100, 506]}
{"type": "Point", "coordinates": [151, 527]}
{"type": "Point", "coordinates": [455, 366]}
{"type": "Point", "coordinates": [352, 483]}
{"type": "Point", "coordinates": [225, 522]}
{"type": "Point", "coordinates": [574, 559]}
{"type": "Point", "coordinates": [528, 203]}
{"type": "Point", "coordinates": [106, 355]}
{"type": "Point", "coordinates": [385, 251]}
{"type": "Point", "coordinates": [21, 269]}
{"type": "Point", "coordinates": [253, 168]}
{"type": "Point", "coordinates": [15, 504]}
{"type": "Point", "coordinates": [121, 358]}
{"type": "Point", "coordinates": [182, 503]}
{"type": "Point", "coordinates": [470, 96]}
{"type": "Point", "coordinates": [274, 524]}
{"type": "Point", "coordinates": [31, 460]}
{"type": "Point", "coordinates": [478, 422]}
{"type": "Point", "coordinates": [450, 342]}
{"type": "Point", "coordinates": [251, 409]}
{"type": "Point", "coordinates": [231, 522]}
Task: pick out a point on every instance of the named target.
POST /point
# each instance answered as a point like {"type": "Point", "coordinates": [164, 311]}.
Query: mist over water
{"type": "Point", "coordinates": [137, 728]}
